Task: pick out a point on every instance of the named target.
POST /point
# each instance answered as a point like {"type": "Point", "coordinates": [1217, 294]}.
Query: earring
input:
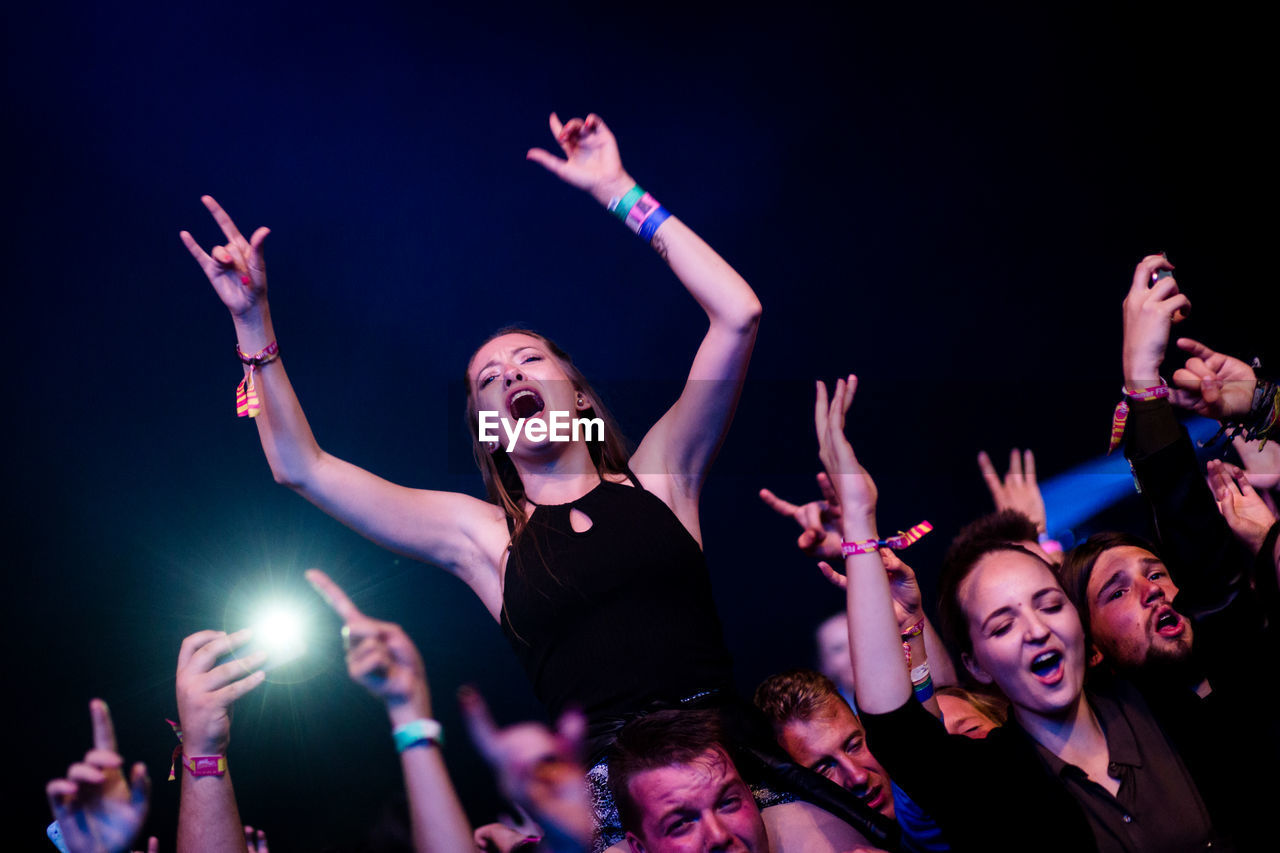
{"type": "Point", "coordinates": [492, 445]}
{"type": "Point", "coordinates": [582, 404]}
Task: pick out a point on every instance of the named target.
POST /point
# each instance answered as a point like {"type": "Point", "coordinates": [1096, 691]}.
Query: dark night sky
{"type": "Point", "coordinates": [948, 202]}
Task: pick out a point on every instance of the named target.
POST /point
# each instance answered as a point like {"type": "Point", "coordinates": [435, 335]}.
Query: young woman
{"type": "Point", "coordinates": [546, 493]}
{"type": "Point", "coordinates": [1072, 770]}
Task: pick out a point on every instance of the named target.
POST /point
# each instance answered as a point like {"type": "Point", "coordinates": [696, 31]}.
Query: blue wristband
{"type": "Point", "coordinates": [417, 732]}
{"type": "Point", "coordinates": [650, 226]}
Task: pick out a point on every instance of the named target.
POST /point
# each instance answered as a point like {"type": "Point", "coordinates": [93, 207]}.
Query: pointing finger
{"type": "Point", "coordinates": [333, 595]}
{"type": "Point", "coordinates": [104, 733]}
{"type": "Point", "coordinates": [777, 504]}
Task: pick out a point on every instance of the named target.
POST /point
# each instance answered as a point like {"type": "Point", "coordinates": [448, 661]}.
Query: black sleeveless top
{"type": "Point", "coordinates": [616, 617]}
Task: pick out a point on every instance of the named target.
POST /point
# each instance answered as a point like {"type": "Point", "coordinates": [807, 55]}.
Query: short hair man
{"type": "Point", "coordinates": [816, 727]}
{"type": "Point", "coordinates": [677, 789]}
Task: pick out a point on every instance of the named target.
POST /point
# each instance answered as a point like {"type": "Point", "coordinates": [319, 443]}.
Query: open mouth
{"type": "Point", "coordinates": [874, 798]}
{"type": "Point", "coordinates": [1047, 667]}
{"type": "Point", "coordinates": [1169, 623]}
{"type": "Point", "coordinates": [525, 403]}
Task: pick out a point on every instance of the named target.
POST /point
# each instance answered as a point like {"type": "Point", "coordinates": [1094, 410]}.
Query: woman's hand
{"type": "Point", "coordinates": [592, 163]}
{"type": "Point", "coordinates": [1244, 509]}
{"type": "Point", "coordinates": [854, 487]}
{"type": "Point", "coordinates": [236, 271]}
{"type": "Point", "coordinates": [1018, 490]}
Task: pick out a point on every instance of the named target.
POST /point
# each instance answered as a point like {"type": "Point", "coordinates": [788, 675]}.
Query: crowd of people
{"type": "Point", "coordinates": [1108, 697]}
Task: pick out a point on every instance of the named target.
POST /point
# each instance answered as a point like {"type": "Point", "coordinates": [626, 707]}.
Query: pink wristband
{"type": "Point", "coordinates": [205, 765]}
{"type": "Point", "coordinates": [1121, 416]}
{"type": "Point", "coordinates": [895, 543]}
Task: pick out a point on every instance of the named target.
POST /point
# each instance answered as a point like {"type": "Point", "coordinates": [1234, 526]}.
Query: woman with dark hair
{"type": "Point", "coordinates": [1072, 769]}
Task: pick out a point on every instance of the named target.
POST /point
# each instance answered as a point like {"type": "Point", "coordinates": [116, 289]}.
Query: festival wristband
{"type": "Point", "coordinates": [641, 211]}
{"type": "Point", "coordinates": [895, 543]}
{"type": "Point", "coordinates": [247, 403]}
{"type": "Point", "coordinates": [417, 732]}
{"type": "Point", "coordinates": [920, 673]}
{"type": "Point", "coordinates": [621, 207]}
{"type": "Point", "coordinates": [650, 226]}
{"type": "Point", "coordinates": [1121, 416]}
{"type": "Point", "coordinates": [924, 690]}
{"type": "Point", "coordinates": [205, 765]}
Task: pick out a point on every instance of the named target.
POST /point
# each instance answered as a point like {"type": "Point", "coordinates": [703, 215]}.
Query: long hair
{"type": "Point", "coordinates": [502, 481]}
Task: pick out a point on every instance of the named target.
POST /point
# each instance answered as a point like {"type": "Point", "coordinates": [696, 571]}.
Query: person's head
{"type": "Point", "coordinates": [1125, 597]}
{"type": "Point", "coordinates": [832, 640]}
{"type": "Point", "coordinates": [520, 373]}
{"type": "Point", "coordinates": [969, 713]}
{"type": "Point", "coordinates": [677, 789]}
{"type": "Point", "coordinates": [1003, 609]}
{"type": "Point", "coordinates": [999, 527]}
{"type": "Point", "coordinates": [816, 727]}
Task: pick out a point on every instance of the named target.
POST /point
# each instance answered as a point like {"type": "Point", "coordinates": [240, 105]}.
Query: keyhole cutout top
{"type": "Point", "coordinates": [579, 520]}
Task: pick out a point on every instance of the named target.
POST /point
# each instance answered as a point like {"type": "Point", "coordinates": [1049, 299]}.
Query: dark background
{"type": "Point", "coordinates": [947, 201]}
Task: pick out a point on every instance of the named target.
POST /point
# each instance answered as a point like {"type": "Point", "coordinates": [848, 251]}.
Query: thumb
{"type": "Point", "coordinates": [547, 160]}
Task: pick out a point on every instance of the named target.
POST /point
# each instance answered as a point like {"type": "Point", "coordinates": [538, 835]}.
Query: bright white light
{"type": "Point", "coordinates": [280, 630]}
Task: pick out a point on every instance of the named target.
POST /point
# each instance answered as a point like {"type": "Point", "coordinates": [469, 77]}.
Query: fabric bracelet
{"type": "Point", "coordinates": [620, 207]}
{"type": "Point", "coordinates": [247, 403]}
{"type": "Point", "coordinates": [1121, 415]}
{"type": "Point", "coordinates": [199, 765]}
{"type": "Point", "coordinates": [417, 732]}
{"type": "Point", "coordinates": [894, 543]}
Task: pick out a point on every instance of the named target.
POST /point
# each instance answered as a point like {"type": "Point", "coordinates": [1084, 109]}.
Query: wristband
{"type": "Point", "coordinates": [924, 690]}
{"type": "Point", "coordinates": [894, 543]}
{"type": "Point", "coordinates": [650, 226]}
{"type": "Point", "coordinates": [914, 631]}
{"type": "Point", "coordinates": [641, 211]}
{"type": "Point", "coordinates": [920, 674]}
{"type": "Point", "coordinates": [418, 731]}
{"type": "Point", "coordinates": [620, 207]}
{"type": "Point", "coordinates": [247, 403]}
{"type": "Point", "coordinates": [1121, 416]}
{"type": "Point", "coordinates": [205, 765]}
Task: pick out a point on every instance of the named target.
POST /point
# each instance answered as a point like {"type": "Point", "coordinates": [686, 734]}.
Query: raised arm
{"type": "Point", "coordinates": [820, 523]}
{"type": "Point", "coordinates": [680, 446]}
{"type": "Point", "coordinates": [208, 818]}
{"type": "Point", "coordinates": [458, 532]}
{"type": "Point", "coordinates": [382, 659]}
{"type": "Point", "coordinates": [875, 642]}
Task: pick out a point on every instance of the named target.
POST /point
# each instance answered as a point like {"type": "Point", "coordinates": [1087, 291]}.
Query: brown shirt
{"type": "Point", "coordinates": [1157, 806]}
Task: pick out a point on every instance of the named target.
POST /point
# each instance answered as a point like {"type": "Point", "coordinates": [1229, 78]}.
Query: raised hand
{"type": "Point", "coordinates": [1213, 384]}
{"type": "Point", "coordinates": [1261, 461]}
{"type": "Point", "coordinates": [236, 270]}
{"type": "Point", "coordinates": [591, 163]}
{"type": "Point", "coordinates": [97, 809]}
{"type": "Point", "coordinates": [207, 690]}
{"type": "Point", "coordinates": [380, 656]}
{"type": "Point", "coordinates": [255, 840]}
{"type": "Point", "coordinates": [903, 587]}
{"type": "Point", "coordinates": [819, 520]}
{"type": "Point", "coordinates": [1019, 489]}
{"type": "Point", "coordinates": [1150, 310]}
{"type": "Point", "coordinates": [538, 769]}
{"type": "Point", "coordinates": [1240, 504]}
{"type": "Point", "coordinates": [854, 488]}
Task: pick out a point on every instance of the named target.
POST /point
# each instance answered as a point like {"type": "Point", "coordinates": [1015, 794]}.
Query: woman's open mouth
{"type": "Point", "coordinates": [1047, 667]}
{"type": "Point", "coordinates": [525, 403]}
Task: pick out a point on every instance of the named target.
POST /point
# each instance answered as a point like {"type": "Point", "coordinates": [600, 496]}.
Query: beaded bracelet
{"type": "Point", "coordinates": [1121, 416]}
{"type": "Point", "coordinates": [895, 543]}
{"type": "Point", "coordinates": [247, 403]}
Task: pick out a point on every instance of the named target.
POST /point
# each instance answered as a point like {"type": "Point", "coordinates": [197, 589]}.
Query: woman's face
{"type": "Point", "coordinates": [517, 376]}
{"type": "Point", "coordinates": [1027, 638]}
{"type": "Point", "coordinates": [962, 718]}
